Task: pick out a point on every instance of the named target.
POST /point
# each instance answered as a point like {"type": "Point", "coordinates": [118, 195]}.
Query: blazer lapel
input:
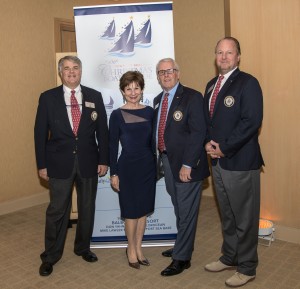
{"type": "Point", "coordinates": [224, 89]}
{"type": "Point", "coordinates": [156, 108]}
{"type": "Point", "coordinates": [84, 112]}
{"type": "Point", "coordinates": [176, 100]}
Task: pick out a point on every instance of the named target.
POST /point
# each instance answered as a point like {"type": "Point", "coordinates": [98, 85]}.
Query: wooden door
{"type": "Point", "coordinates": [65, 44]}
{"type": "Point", "coordinates": [64, 35]}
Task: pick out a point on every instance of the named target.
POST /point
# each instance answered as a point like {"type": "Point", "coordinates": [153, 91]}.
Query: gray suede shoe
{"type": "Point", "coordinates": [217, 267]}
{"type": "Point", "coordinates": [238, 279]}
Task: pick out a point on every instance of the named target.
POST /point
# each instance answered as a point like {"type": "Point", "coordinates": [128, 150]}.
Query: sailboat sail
{"type": "Point", "coordinates": [110, 31]}
{"type": "Point", "coordinates": [125, 44]}
{"type": "Point", "coordinates": [110, 104]}
{"type": "Point", "coordinates": [143, 39]}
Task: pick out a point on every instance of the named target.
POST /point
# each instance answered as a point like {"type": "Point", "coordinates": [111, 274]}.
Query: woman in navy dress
{"type": "Point", "coordinates": [133, 173]}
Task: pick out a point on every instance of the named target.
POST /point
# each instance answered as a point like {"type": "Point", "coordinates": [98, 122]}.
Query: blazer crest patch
{"type": "Point", "coordinates": [177, 115]}
{"type": "Point", "coordinates": [229, 101]}
{"type": "Point", "coordinates": [94, 115]}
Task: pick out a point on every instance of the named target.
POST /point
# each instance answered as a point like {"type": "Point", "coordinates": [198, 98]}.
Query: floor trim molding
{"type": "Point", "coordinates": [23, 203]}
{"type": "Point", "coordinates": [287, 234]}
{"type": "Point", "coordinates": [281, 232]}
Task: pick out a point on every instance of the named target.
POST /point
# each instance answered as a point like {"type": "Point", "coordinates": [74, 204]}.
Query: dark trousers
{"type": "Point", "coordinates": [58, 214]}
{"type": "Point", "coordinates": [238, 194]}
{"type": "Point", "coordinates": [186, 201]}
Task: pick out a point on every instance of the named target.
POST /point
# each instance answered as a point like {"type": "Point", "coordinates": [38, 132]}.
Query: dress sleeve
{"type": "Point", "coordinates": [114, 137]}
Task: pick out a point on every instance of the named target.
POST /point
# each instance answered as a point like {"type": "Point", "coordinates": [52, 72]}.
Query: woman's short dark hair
{"type": "Point", "coordinates": [130, 77]}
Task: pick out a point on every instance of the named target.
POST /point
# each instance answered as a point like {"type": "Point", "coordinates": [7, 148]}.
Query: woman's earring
{"type": "Point", "coordinates": [124, 99]}
{"type": "Point", "coordinates": [142, 98]}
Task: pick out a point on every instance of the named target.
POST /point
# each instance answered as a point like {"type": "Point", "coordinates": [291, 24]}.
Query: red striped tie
{"type": "Point", "coordinates": [75, 112]}
{"type": "Point", "coordinates": [162, 123]}
{"type": "Point", "coordinates": [214, 96]}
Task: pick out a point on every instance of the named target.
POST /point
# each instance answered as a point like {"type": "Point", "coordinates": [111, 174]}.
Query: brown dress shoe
{"type": "Point", "coordinates": [144, 262]}
{"type": "Point", "coordinates": [135, 265]}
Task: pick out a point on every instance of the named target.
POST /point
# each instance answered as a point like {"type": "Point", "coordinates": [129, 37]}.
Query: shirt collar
{"type": "Point", "coordinates": [173, 90]}
{"type": "Point", "coordinates": [68, 90]}
{"type": "Point", "coordinates": [226, 76]}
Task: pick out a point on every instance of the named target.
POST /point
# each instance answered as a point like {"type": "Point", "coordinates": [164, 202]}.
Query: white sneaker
{"type": "Point", "coordinates": [238, 279]}
{"type": "Point", "coordinates": [217, 266]}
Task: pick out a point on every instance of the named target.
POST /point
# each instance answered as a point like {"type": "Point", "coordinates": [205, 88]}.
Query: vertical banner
{"type": "Point", "coordinates": [111, 40]}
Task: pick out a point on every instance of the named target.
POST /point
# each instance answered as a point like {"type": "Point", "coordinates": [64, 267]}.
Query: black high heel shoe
{"type": "Point", "coordinates": [144, 262]}
{"type": "Point", "coordinates": [135, 265]}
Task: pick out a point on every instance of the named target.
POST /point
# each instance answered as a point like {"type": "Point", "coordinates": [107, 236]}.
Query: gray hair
{"type": "Point", "coordinates": [175, 64]}
{"type": "Point", "coordinates": [74, 59]}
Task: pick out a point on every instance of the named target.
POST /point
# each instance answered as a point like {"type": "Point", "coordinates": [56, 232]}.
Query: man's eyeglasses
{"type": "Point", "coordinates": [167, 71]}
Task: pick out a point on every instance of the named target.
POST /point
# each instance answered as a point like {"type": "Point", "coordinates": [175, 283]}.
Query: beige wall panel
{"type": "Point", "coordinates": [269, 35]}
{"type": "Point", "coordinates": [28, 68]}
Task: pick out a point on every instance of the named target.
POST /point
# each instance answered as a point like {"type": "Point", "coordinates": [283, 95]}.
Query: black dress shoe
{"type": "Point", "coordinates": [89, 257]}
{"type": "Point", "coordinates": [176, 267]}
{"type": "Point", "coordinates": [46, 269]}
{"type": "Point", "coordinates": [167, 253]}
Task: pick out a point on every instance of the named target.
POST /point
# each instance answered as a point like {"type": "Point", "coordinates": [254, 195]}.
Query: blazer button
{"type": "Point", "coordinates": [76, 138]}
{"type": "Point", "coordinates": [74, 152]}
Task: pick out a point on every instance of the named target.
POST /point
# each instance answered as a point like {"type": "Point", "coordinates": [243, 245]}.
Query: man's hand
{"type": "Point", "coordinates": [185, 174]}
{"type": "Point", "coordinates": [213, 149]}
{"type": "Point", "coordinates": [102, 170]}
{"type": "Point", "coordinates": [43, 174]}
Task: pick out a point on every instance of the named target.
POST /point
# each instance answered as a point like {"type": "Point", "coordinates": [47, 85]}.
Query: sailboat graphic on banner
{"type": "Point", "coordinates": [143, 39]}
{"type": "Point", "coordinates": [110, 31]}
{"type": "Point", "coordinates": [110, 104]}
{"type": "Point", "coordinates": [125, 44]}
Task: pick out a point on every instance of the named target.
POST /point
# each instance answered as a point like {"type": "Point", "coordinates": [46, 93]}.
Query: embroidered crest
{"type": "Point", "coordinates": [177, 115]}
{"type": "Point", "coordinates": [94, 115]}
{"type": "Point", "coordinates": [229, 101]}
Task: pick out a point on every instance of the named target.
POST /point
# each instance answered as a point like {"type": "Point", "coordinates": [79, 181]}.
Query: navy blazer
{"type": "Point", "coordinates": [236, 121]}
{"type": "Point", "coordinates": [55, 143]}
{"type": "Point", "coordinates": [185, 132]}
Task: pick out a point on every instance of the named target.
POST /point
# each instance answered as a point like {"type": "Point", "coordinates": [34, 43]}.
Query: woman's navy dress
{"type": "Point", "coordinates": [136, 164]}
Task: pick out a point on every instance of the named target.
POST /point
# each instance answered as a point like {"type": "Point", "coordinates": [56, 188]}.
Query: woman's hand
{"type": "Point", "coordinates": [115, 183]}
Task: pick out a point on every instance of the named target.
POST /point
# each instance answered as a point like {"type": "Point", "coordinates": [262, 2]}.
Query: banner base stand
{"type": "Point", "coordinates": [152, 243]}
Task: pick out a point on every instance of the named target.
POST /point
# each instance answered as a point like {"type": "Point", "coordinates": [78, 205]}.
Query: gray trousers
{"type": "Point", "coordinates": [58, 214]}
{"type": "Point", "coordinates": [238, 194]}
{"type": "Point", "coordinates": [186, 201]}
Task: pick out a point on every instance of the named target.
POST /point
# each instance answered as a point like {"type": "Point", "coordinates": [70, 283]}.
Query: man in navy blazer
{"type": "Point", "coordinates": [183, 157]}
{"type": "Point", "coordinates": [234, 119]}
{"type": "Point", "coordinates": [66, 156]}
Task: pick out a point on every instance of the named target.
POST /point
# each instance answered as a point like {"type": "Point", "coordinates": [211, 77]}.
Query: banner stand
{"type": "Point", "coordinates": [112, 39]}
{"type": "Point", "coordinates": [145, 244]}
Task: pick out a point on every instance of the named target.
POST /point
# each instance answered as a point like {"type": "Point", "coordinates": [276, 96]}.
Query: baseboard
{"type": "Point", "coordinates": [287, 234]}
{"type": "Point", "coordinates": [23, 203]}
{"type": "Point", "coordinates": [281, 232]}
{"type": "Point", "coordinates": [207, 193]}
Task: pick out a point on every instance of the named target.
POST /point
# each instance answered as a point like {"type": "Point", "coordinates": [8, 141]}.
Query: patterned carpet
{"type": "Point", "coordinates": [21, 242]}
